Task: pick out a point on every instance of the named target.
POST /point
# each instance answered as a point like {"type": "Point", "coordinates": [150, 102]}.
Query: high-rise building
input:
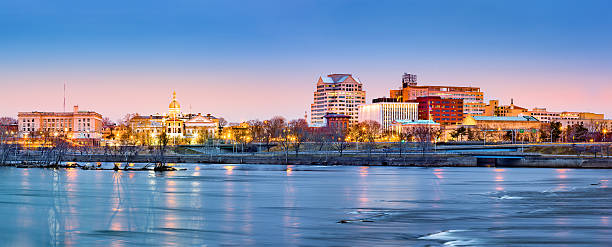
{"type": "Point", "coordinates": [385, 113]}
{"type": "Point", "coordinates": [443, 111]}
{"type": "Point", "coordinates": [473, 98]}
{"type": "Point", "coordinates": [339, 94]}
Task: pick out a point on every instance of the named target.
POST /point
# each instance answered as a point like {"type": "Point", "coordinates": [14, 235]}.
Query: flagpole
{"type": "Point", "coordinates": [64, 96]}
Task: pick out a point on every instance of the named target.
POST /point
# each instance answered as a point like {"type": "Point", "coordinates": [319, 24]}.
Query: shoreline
{"type": "Point", "coordinates": [407, 160]}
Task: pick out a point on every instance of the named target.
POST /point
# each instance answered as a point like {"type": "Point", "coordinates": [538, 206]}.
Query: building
{"type": "Point", "coordinates": [402, 126]}
{"type": "Point", "coordinates": [386, 113]}
{"type": "Point", "coordinates": [409, 80]}
{"type": "Point", "coordinates": [510, 110]}
{"type": "Point", "coordinates": [175, 124]}
{"type": "Point", "coordinates": [544, 116]}
{"type": "Point", "coordinates": [472, 97]}
{"type": "Point", "coordinates": [339, 94]}
{"type": "Point", "coordinates": [494, 128]}
{"type": "Point", "coordinates": [333, 120]}
{"type": "Point", "coordinates": [85, 126]}
{"type": "Point", "coordinates": [440, 110]}
{"type": "Point", "coordinates": [588, 115]}
{"type": "Point", "coordinates": [502, 123]}
{"type": "Point", "coordinates": [9, 129]}
{"type": "Point", "coordinates": [490, 108]}
{"type": "Point", "coordinates": [541, 114]}
{"type": "Point", "coordinates": [593, 125]}
{"type": "Point", "coordinates": [384, 99]}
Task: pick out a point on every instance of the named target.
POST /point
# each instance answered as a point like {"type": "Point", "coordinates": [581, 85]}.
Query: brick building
{"type": "Point", "coordinates": [443, 111]}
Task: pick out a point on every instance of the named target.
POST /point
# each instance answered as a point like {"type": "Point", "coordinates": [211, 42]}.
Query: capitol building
{"type": "Point", "coordinates": [175, 123]}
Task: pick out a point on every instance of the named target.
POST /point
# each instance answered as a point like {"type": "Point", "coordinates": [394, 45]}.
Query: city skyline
{"type": "Point", "coordinates": [265, 60]}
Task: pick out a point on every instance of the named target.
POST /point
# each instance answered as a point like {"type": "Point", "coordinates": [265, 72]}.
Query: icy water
{"type": "Point", "coordinates": [244, 205]}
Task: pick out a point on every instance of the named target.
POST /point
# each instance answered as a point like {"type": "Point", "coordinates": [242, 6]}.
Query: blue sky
{"type": "Point", "coordinates": [239, 59]}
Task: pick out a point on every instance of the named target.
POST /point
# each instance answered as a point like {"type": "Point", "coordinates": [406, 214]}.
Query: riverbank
{"type": "Point", "coordinates": [499, 159]}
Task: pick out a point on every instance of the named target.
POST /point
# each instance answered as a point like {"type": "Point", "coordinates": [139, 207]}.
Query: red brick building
{"type": "Point", "coordinates": [442, 111]}
{"type": "Point", "coordinates": [333, 120]}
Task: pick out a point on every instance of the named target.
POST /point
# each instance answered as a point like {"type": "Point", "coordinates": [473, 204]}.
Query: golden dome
{"type": "Point", "coordinates": [174, 104]}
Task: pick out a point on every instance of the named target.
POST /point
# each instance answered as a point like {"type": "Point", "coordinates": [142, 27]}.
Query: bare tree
{"type": "Point", "coordinates": [425, 135]}
{"type": "Point", "coordinates": [273, 129]}
{"type": "Point", "coordinates": [403, 137]}
{"type": "Point", "coordinates": [284, 140]}
{"type": "Point", "coordinates": [257, 131]}
{"type": "Point", "coordinates": [299, 133]}
{"type": "Point", "coordinates": [338, 140]}
{"type": "Point", "coordinates": [366, 132]}
{"type": "Point", "coordinates": [7, 121]}
{"type": "Point", "coordinates": [321, 136]}
{"type": "Point", "coordinates": [5, 147]}
{"type": "Point", "coordinates": [160, 164]}
{"type": "Point", "coordinates": [222, 124]}
{"type": "Point", "coordinates": [106, 121]}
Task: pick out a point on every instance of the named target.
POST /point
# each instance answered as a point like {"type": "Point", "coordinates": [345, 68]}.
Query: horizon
{"type": "Point", "coordinates": [263, 61]}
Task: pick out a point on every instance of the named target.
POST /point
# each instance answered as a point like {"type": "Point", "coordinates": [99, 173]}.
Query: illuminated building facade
{"type": "Point", "coordinates": [440, 110]}
{"type": "Point", "coordinates": [593, 125]}
{"type": "Point", "coordinates": [385, 113]}
{"type": "Point", "coordinates": [339, 94]}
{"type": "Point", "coordinates": [73, 125]}
{"type": "Point", "coordinates": [404, 126]}
{"type": "Point", "coordinates": [541, 114]}
{"type": "Point", "coordinates": [333, 120]}
{"type": "Point", "coordinates": [175, 124]}
{"type": "Point", "coordinates": [510, 110]}
{"type": "Point", "coordinates": [472, 97]}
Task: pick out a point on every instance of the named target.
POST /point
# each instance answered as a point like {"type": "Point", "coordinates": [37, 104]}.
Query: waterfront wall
{"type": "Point", "coordinates": [427, 160]}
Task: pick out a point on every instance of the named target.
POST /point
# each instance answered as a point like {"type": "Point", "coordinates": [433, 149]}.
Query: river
{"type": "Point", "coordinates": [244, 205]}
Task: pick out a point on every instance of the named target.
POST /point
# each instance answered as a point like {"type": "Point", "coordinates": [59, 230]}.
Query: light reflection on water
{"type": "Point", "coordinates": [302, 205]}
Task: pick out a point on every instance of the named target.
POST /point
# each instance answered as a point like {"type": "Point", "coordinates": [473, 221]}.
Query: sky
{"type": "Point", "coordinates": [246, 60]}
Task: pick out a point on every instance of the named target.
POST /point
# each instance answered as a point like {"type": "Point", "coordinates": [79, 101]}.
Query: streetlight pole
{"type": "Point", "coordinates": [551, 134]}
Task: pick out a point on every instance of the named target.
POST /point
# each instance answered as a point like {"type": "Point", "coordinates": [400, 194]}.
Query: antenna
{"type": "Point", "coordinates": [64, 96]}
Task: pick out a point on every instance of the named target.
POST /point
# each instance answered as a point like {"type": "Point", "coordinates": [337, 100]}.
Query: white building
{"type": "Point", "coordinates": [175, 123]}
{"type": "Point", "coordinates": [386, 113]}
{"type": "Point", "coordinates": [74, 125]}
{"type": "Point", "coordinates": [339, 94]}
{"type": "Point", "coordinates": [590, 124]}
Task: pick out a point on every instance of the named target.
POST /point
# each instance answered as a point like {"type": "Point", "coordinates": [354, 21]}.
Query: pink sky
{"type": "Point", "coordinates": [245, 95]}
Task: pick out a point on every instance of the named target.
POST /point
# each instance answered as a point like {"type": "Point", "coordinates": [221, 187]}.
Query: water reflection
{"type": "Point", "coordinates": [438, 172]}
{"type": "Point", "coordinates": [499, 178]}
{"type": "Point", "coordinates": [260, 206]}
{"type": "Point", "coordinates": [363, 171]}
{"type": "Point", "coordinates": [229, 170]}
{"type": "Point", "coordinates": [562, 175]}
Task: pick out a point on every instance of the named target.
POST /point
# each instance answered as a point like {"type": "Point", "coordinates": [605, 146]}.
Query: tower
{"type": "Point", "coordinates": [409, 80]}
{"type": "Point", "coordinates": [174, 109]}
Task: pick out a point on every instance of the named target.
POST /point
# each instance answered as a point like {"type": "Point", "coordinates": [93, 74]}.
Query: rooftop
{"type": "Point", "coordinates": [334, 115]}
{"type": "Point", "coordinates": [408, 122]}
{"type": "Point", "coordinates": [515, 119]}
{"type": "Point", "coordinates": [337, 78]}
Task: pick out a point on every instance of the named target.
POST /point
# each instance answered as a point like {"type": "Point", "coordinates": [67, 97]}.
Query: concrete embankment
{"type": "Point", "coordinates": [566, 162]}
{"type": "Point", "coordinates": [427, 160]}
{"type": "Point", "coordinates": [375, 160]}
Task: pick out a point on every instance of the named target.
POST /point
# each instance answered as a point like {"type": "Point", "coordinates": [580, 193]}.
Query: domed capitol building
{"type": "Point", "coordinates": [175, 123]}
